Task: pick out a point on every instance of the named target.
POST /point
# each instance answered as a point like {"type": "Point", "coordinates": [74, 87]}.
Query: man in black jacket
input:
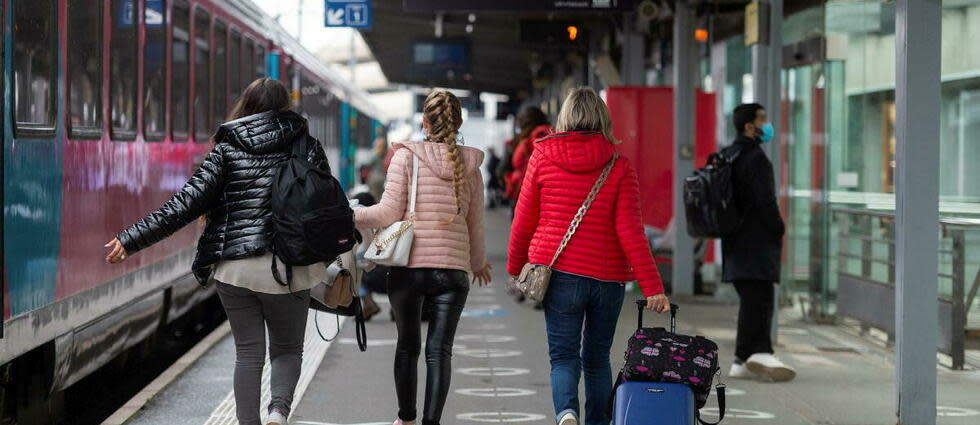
{"type": "Point", "coordinates": [751, 256]}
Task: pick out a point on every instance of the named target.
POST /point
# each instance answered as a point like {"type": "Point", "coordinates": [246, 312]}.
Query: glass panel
{"type": "Point", "coordinates": [181, 69]}
{"type": "Point", "coordinates": [247, 60]}
{"type": "Point", "coordinates": [220, 75]}
{"type": "Point", "coordinates": [35, 64]}
{"type": "Point", "coordinates": [234, 59]}
{"type": "Point", "coordinates": [85, 68]}
{"type": "Point", "coordinates": [202, 76]}
{"type": "Point", "coordinates": [122, 69]}
{"type": "Point", "coordinates": [259, 61]}
{"type": "Point", "coordinates": [155, 71]}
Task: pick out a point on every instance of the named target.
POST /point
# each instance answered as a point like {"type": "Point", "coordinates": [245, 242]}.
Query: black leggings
{"type": "Point", "coordinates": [445, 291]}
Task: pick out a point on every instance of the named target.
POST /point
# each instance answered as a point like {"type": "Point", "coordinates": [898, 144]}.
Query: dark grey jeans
{"type": "Point", "coordinates": [249, 313]}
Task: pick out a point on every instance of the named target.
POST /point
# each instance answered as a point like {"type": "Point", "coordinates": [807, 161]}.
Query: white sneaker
{"type": "Point", "coordinates": [739, 371]}
{"type": "Point", "coordinates": [768, 366]}
{"type": "Point", "coordinates": [275, 418]}
{"type": "Point", "coordinates": [568, 419]}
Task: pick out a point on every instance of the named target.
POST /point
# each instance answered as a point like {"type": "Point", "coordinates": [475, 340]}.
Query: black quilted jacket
{"type": "Point", "coordinates": [233, 188]}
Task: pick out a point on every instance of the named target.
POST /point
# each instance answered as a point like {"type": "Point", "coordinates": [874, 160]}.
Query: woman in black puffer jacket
{"type": "Point", "coordinates": [233, 189]}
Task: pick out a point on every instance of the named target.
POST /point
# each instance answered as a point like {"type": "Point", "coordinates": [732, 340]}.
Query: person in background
{"type": "Point", "coordinates": [232, 188]}
{"type": "Point", "coordinates": [751, 256]}
{"type": "Point", "coordinates": [585, 296]}
{"type": "Point", "coordinates": [448, 244]}
{"type": "Point", "coordinates": [493, 184]}
{"type": "Point", "coordinates": [534, 125]}
{"type": "Point", "coordinates": [378, 166]}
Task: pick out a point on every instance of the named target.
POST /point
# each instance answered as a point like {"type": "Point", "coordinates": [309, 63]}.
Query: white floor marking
{"type": "Point", "coordinates": [495, 392]}
{"type": "Point", "coordinates": [815, 360]}
{"type": "Point", "coordinates": [493, 339]}
{"type": "Point", "coordinates": [489, 327]}
{"type": "Point", "coordinates": [500, 417]}
{"type": "Point", "coordinates": [481, 298]}
{"type": "Point", "coordinates": [371, 342]}
{"type": "Point", "coordinates": [738, 413]}
{"type": "Point", "coordinates": [314, 349]}
{"type": "Point", "coordinates": [733, 392]}
{"type": "Point", "coordinates": [955, 411]}
{"type": "Point", "coordinates": [482, 306]}
{"type": "Point", "coordinates": [489, 353]}
{"type": "Point", "coordinates": [327, 423]}
{"type": "Point", "coordinates": [494, 371]}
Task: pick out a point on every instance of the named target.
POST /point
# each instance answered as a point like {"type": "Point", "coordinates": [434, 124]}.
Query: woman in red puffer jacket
{"type": "Point", "coordinates": [608, 249]}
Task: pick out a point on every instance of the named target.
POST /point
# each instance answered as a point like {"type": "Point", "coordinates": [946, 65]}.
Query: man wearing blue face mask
{"type": "Point", "coordinates": [751, 255]}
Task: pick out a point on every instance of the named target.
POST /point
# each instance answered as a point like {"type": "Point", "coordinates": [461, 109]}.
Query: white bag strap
{"type": "Point", "coordinates": [415, 186]}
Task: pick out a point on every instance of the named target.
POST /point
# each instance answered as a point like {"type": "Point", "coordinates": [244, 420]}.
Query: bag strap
{"type": "Point", "coordinates": [720, 393]}
{"type": "Point", "coordinates": [584, 208]}
{"type": "Point", "coordinates": [413, 194]}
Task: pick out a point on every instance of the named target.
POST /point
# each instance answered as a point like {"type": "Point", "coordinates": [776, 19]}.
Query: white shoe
{"type": "Point", "coordinates": [276, 418]}
{"type": "Point", "coordinates": [568, 419]}
{"type": "Point", "coordinates": [739, 371]}
{"type": "Point", "coordinates": [768, 366]}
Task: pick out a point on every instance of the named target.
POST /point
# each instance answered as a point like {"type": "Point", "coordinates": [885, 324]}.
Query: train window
{"type": "Point", "coordinates": [85, 69]}
{"type": "Point", "coordinates": [122, 68]}
{"type": "Point", "coordinates": [247, 62]}
{"type": "Point", "coordinates": [220, 74]}
{"type": "Point", "coordinates": [234, 58]}
{"type": "Point", "coordinates": [35, 66]}
{"type": "Point", "coordinates": [180, 87]}
{"type": "Point", "coordinates": [155, 71]}
{"type": "Point", "coordinates": [202, 76]}
{"type": "Point", "coordinates": [259, 62]}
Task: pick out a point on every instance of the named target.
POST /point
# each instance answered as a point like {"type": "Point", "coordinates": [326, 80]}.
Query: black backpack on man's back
{"type": "Point", "coordinates": [709, 199]}
{"type": "Point", "coordinates": [311, 217]}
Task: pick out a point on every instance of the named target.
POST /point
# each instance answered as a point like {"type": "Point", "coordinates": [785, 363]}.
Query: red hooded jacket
{"type": "Point", "coordinates": [609, 244]}
{"type": "Point", "coordinates": [520, 160]}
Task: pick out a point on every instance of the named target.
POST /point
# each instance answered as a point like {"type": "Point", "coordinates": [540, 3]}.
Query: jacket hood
{"type": "Point", "coordinates": [576, 151]}
{"type": "Point", "coordinates": [262, 133]}
{"type": "Point", "coordinates": [433, 155]}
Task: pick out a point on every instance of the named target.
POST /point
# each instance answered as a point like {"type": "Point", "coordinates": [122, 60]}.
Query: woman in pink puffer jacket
{"type": "Point", "coordinates": [448, 244]}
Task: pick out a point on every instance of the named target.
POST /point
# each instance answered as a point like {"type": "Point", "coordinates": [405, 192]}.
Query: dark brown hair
{"type": "Point", "coordinates": [264, 94]}
{"type": "Point", "coordinates": [528, 119]}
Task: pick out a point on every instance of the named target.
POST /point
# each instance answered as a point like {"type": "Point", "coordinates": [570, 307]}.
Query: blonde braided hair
{"type": "Point", "coordinates": [445, 115]}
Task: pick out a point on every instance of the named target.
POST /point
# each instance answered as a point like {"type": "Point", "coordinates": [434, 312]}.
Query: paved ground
{"type": "Point", "coordinates": [501, 371]}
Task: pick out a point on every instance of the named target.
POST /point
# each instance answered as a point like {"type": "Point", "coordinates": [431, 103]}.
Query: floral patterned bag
{"type": "Point", "coordinates": [659, 355]}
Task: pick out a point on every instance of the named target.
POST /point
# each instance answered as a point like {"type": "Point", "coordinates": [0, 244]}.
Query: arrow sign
{"type": "Point", "coordinates": [335, 17]}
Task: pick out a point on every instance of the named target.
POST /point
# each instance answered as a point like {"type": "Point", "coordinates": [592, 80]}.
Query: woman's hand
{"type": "Point", "coordinates": [482, 277]}
{"type": "Point", "coordinates": [117, 253]}
{"type": "Point", "coordinates": [658, 303]}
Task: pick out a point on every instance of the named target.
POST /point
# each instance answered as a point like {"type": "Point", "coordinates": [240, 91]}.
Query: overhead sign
{"type": "Point", "coordinates": [515, 5]}
{"type": "Point", "coordinates": [348, 13]}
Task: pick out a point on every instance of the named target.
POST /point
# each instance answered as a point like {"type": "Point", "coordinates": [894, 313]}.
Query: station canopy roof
{"type": "Point", "coordinates": [488, 34]}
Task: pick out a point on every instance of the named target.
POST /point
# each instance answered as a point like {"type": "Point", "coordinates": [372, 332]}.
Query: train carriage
{"type": "Point", "coordinates": [107, 107]}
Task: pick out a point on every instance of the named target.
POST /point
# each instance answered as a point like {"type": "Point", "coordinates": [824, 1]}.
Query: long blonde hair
{"type": "Point", "coordinates": [445, 115]}
{"type": "Point", "coordinates": [584, 110]}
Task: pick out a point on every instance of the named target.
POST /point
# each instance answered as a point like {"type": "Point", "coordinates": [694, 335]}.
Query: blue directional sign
{"type": "Point", "coordinates": [348, 13]}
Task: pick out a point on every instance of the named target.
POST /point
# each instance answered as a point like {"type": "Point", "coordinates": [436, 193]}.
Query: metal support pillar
{"type": "Point", "coordinates": [633, 63]}
{"type": "Point", "coordinates": [685, 54]}
{"type": "Point", "coordinates": [767, 62]}
{"type": "Point", "coordinates": [918, 47]}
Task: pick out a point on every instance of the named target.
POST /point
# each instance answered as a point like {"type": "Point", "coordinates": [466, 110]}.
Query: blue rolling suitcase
{"type": "Point", "coordinates": [654, 403]}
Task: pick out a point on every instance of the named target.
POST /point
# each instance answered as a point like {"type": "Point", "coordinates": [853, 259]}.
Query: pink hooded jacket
{"type": "Point", "coordinates": [439, 242]}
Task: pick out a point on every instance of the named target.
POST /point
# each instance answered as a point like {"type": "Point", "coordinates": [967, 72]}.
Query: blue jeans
{"type": "Point", "coordinates": [572, 301]}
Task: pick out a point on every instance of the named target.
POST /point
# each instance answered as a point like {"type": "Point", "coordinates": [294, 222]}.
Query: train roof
{"type": "Point", "coordinates": [248, 12]}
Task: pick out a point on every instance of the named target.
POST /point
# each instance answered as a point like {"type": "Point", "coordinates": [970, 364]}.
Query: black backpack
{"type": "Point", "coordinates": [709, 199]}
{"type": "Point", "coordinates": [311, 218]}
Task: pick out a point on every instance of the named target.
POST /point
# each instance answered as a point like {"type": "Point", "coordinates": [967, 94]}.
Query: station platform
{"type": "Point", "coordinates": [502, 370]}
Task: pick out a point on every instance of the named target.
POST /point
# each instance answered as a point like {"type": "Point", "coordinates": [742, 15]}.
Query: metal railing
{"type": "Point", "coordinates": [868, 296]}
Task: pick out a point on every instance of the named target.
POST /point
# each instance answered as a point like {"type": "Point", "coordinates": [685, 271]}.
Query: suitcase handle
{"type": "Point", "coordinates": [640, 304]}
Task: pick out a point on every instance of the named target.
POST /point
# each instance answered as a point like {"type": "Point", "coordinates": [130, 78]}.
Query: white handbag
{"type": "Point", "coordinates": [392, 245]}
